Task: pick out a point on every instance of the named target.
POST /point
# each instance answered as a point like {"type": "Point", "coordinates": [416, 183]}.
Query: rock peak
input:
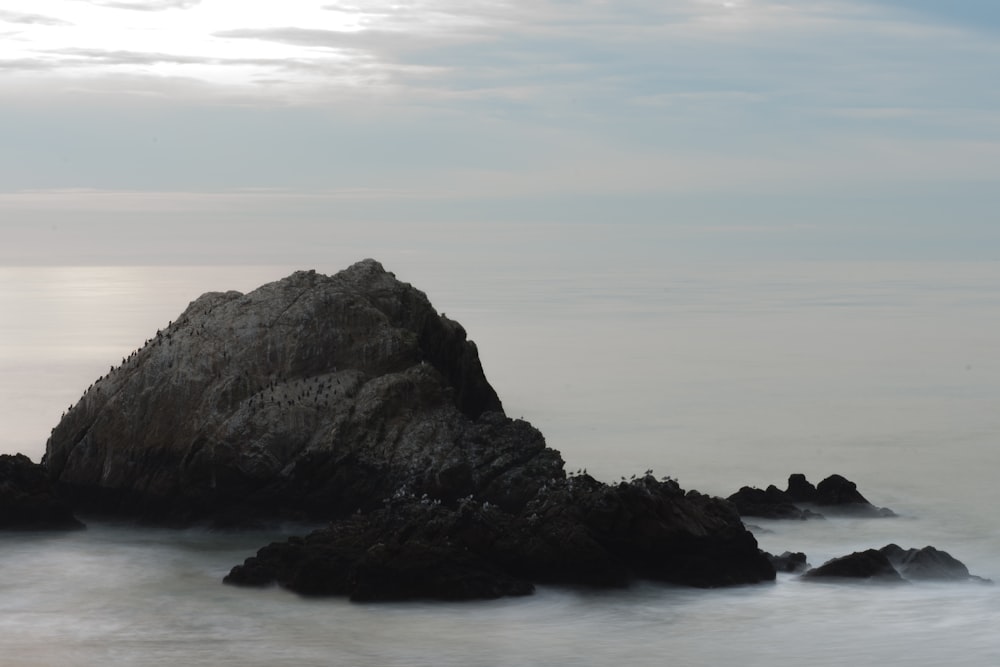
{"type": "Point", "coordinates": [367, 265]}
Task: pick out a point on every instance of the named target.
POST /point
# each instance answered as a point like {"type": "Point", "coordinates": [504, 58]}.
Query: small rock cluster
{"type": "Point", "coordinates": [802, 500]}
{"type": "Point", "coordinates": [840, 496]}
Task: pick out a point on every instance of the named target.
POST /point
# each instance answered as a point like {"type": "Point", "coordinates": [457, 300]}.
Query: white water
{"type": "Point", "coordinates": [718, 375]}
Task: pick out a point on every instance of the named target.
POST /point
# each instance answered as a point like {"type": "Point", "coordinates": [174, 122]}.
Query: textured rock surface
{"type": "Point", "coordinates": [349, 398]}
{"type": "Point", "coordinates": [26, 498]}
{"type": "Point", "coordinates": [576, 531]}
{"type": "Point", "coordinates": [310, 396]}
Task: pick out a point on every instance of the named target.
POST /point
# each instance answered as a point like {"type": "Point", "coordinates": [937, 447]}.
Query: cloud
{"type": "Point", "coordinates": [74, 55]}
{"type": "Point", "coordinates": [146, 5]}
{"type": "Point", "coordinates": [489, 102]}
{"type": "Point", "coordinates": [32, 65]}
{"type": "Point", "coordinates": [31, 19]}
{"type": "Point", "coordinates": [537, 54]}
{"type": "Point", "coordinates": [85, 56]}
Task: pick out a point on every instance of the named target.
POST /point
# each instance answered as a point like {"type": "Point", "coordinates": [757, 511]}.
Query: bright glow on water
{"type": "Point", "coordinates": [718, 375]}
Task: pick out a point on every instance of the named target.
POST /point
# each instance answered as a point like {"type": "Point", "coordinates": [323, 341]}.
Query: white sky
{"type": "Point", "coordinates": [862, 128]}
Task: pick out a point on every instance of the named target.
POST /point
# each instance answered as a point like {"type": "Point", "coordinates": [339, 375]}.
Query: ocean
{"type": "Point", "coordinates": [720, 374]}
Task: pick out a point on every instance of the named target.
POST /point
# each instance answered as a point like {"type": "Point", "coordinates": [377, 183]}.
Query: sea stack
{"type": "Point", "coordinates": [305, 398]}
{"type": "Point", "coordinates": [348, 398]}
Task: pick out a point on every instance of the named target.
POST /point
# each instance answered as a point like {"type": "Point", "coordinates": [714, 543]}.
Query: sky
{"type": "Point", "coordinates": [214, 131]}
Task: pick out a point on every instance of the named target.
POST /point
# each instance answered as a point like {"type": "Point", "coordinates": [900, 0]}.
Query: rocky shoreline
{"type": "Point", "coordinates": [578, 531]}
{"type": "Point", "coordinates": [348, 399]}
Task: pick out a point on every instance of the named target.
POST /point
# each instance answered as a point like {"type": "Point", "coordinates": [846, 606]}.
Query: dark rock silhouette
{"type": "Point", "coordinates": [894, 564]}
{"type": "Point", "coordinates": [309, 397]}
{"type": "Point", "coordinates": [927, 564]}
{"type": "Point", "coordinates": [578, 531]}
{"type": "Point", "coordinates": [834, 495]}
{"type": "Point", "coordinates": [349, 398]}
{"type": "Point", "coordinates": [800, 489]}
{"type": "Point", "coordinates": [770, 503]}
{"type": "Point", "coordinates": [837, 492]}
{"type": "Point", "coordinates": [788, 561]}
{"type": "Point", "coordinates": [27, 501]}
{"type": "Point", "coordinates": [868, 565]}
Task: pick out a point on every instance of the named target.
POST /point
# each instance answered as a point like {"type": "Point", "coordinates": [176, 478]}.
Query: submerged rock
{"type": "Point", "coordinates": [27, 501]}
{"type": "Point", "coordinates": [308, 397]}
{"type": "Point", "coordinates": [577, 531]}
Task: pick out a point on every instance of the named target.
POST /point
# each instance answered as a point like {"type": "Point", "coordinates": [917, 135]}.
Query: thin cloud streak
{"type": "Point", "coordinates": [146, 5]}
{"type": "Point", "coordinates": [31, 19]}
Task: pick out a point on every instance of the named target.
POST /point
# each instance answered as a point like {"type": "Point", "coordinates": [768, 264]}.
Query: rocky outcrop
{"type": "Point", "coordinates": [868, 565]}
{"type": "Point", "coordinates": [27, 501]}
{"type": "Point", "coordinates": [835, 495]}
{"type": "Point", "coordinates": [769, 503]}
{"type": "Point", "coordinates": [308, 397]}
{"type": "Point", "coordinates": [349, 398]}
{"type": "Point", "coordinates": [576, 531]}
{"type": "Point", "coordinates": [788, 561]}
{"type": "Point", "coordinates": [927, 564]}
{"type": "Point", "coordinates": [893, 564]}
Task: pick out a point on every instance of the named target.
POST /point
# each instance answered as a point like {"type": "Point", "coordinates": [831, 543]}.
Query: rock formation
{"type": "Point", "coordinates": [349, 398]}
{"type": "Point", "coordinates": [868, 565]}
{"type": "Point", "coordinates": [927, 564]}
{"type": "Point", "coordinates": [310, 396]}
{"type": "Point", "coordinates": [893, 564]}
{"type": "Point", "coordinates": [788, 561]}
{"type": "Point", "coordinates": [577, 531]}
{"type": "Point", "coordinates": [834, 495]}
{"type": "Point", "coordinates": [27, 501]}
{"type": "Point", "coordinates": [769, 503]}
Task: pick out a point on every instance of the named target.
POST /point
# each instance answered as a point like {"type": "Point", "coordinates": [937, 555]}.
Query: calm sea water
{"type": "Point", "coordinates": [719, 375]}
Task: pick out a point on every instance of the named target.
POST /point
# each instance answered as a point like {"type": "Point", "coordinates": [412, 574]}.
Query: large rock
{"type": "Point", "coordinates": [308, 397]}
{"type": "Point", "coordinates": [350, 398]}
{"type": "Point", "coordinates": [27, 501]}
{"type": "Point", "coordinates": [576, 531]}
